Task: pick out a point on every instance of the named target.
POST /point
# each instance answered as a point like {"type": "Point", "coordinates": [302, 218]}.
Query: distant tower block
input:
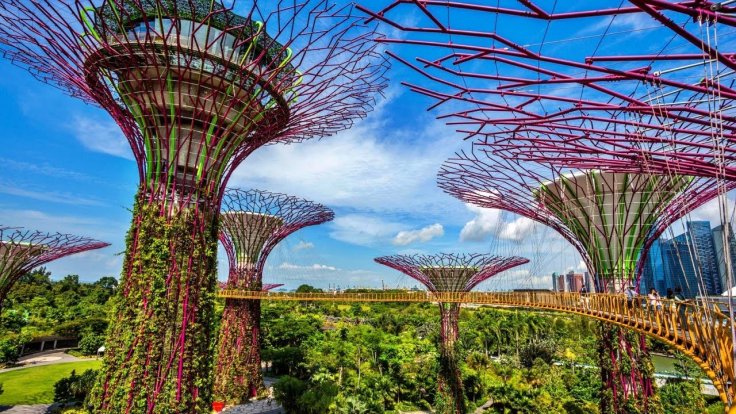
{"type": "Point", "coordinates": [22, 250]}
{"type": "Point", "coordinates": [612, 214]}
{"type": "Point", "coordinates": [252, 223]}
{"type": "Point", "coordinates": [195, 88]}
{"type": "Point", "coordinates": [450, 273]}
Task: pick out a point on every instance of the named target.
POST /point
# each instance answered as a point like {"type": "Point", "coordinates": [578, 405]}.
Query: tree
{"type": "Point", "coordinates": [287, 391]}
{"type": "Point", "coordinates": [308, 289]}
{"type": "Point", "coordinates": [74, 388]}
{"type": "Point", "coordinates": [90, 343]}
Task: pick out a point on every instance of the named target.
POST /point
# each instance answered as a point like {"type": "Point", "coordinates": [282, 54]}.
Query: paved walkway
{"type": "Point", "coordinates": [27, 409]}
{"type": "Point", "coordinates": [265, 406]}
{"type": "Point", "coordinates": [44, 358]}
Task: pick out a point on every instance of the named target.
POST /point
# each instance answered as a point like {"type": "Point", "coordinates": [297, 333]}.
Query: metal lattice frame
{"type": "Point", "coordinates": [450, 273]}
{"type": "Point", "coordinates": [23, 250]}
{"type": "Point", "coordinates": [445, 272]}
{"type": "Point", "coordinates": [668, 105]}
{"type": "Point", "coordinates": [640, 206]}
{"type": "Point", "coordinates": [195, 87]}
{"type": "Point", "coordinates": [252, 223]}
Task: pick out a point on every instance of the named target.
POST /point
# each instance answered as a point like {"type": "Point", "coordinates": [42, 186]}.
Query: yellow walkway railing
{"type": "Point", "coordinates": [702, 334]}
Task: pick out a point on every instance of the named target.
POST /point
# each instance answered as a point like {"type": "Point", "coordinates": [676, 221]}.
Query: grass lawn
{"type": "Point", "coordinates": [35, 385]}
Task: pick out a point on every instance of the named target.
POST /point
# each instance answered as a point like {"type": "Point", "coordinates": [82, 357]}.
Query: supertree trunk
{"type": "Point", "coordinates": [627, 372]}
{"type": "Point", "coordinates": [157, 356]}
{"type": "Point", "coordinates": [450, 398]}
{"type": "Point", "coordinates": [238, 374]}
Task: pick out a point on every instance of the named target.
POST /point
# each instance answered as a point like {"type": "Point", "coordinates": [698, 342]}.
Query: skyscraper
{"type": "Point", "coordinates": [718, 241]}
{"type": "Point", "coordinates": [687, 261]}
{"type": "Point", "coordinates": [703, 253]}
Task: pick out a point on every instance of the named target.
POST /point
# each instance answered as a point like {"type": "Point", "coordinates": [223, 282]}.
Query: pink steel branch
{"type": "Point", "coordinates": [639, 100]}
{"type": "Point", "coordinates": [497, 180]}
{"type": "Point", "coordinates": [23, 250]}
{"type": "Point", "coordinates": [268, 217]}
{"type": "Point", "coordinates": [445, 272]}
{"type": "Point", "coordinates": [309, 70]}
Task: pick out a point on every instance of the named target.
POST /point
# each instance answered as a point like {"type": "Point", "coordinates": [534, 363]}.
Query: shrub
{"type": "Point", "coordinates": [90, 343]}
{"type": "Point", "coordinates": [74, 388]}
{"type": "Point", "coordinates": [543, 349]}
{"type": "Point", "coordinates": [10, 348]}
{"type": "Point", "coordinates": [287, 391]}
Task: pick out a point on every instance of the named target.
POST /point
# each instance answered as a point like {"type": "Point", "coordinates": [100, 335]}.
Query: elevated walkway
{"type": "Point", "coordinates": [704, 334]}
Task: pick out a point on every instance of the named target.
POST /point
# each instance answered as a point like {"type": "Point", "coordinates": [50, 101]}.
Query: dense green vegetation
{"type": "Point", "coordinates": [375, 358]}
{"type": "Point", "coordinates": [35, 385]}
{"type": "Point", "coordinates": [356, 358]}
{"type": "Point", "coordinates": [38, 306]}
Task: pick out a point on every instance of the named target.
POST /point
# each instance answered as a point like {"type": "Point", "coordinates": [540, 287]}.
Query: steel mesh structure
{"type": "Point", "coordinates": [611, 218]}
{"type": "Point", "coordinates": [642, 83]}
{"type": "Point", "coordinates": [621, 87]}
{"type": "Point", "coordinates": [195, 87]}
{"type": "Point", "coordinates": [23, 250]}
{"type": "Point", "coordinates": [252, 223]}
{"type": "Point", "coordinates": [450, 273]}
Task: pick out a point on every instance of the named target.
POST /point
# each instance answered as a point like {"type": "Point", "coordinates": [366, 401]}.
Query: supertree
{"type": "Point", "coordinates": [604, 100]}
{"type": "Point", "coordinates": [23, 250]}
{"type": "Point", "coordinates": [252, 223]}
{"type": "Point", "coordinates": [579, 84]}
{"type": "Point", "coordinates": [610, 218]}
{"type": "Point", "coordinates": [195, 88]}
{"type": "Point", "coordinates": [450, 273]}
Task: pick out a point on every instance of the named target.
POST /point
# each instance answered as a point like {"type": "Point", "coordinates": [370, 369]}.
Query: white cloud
{"type": "Point", "coordinates": [424, 234]}
{"type": "Point", "coordinates": [518, 229]}
{"type": "Point", "coordinates": [368, 167]}
{"type": "Point", "coordinates": [363, 230]}
{"type": "Point", "coordinates": [101, 136]}
{"type": "Point", "coordinates": [316, 266]}
{"type": "Point", "coordinates": [302, 245]}
{"type": "Point", "coordinates": [490, 223]}
{"type": "Point", "coordinates": [47, 195]}
{"type": "Point", "coordinates": [484, 224]}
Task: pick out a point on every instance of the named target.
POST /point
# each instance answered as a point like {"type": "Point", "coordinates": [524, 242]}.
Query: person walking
{"type": "Point", "coordinates": [630, 296]}
{"type": "Point", "coordinates": [584, 298]}
{"type": "Point", "coordinates": [655, 303]}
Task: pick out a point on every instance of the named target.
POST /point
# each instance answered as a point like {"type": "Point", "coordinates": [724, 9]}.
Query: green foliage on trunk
{"type": "Point", "coordinates": [158, 346]}
{"type": "Point", "coordinates": [627, 373]}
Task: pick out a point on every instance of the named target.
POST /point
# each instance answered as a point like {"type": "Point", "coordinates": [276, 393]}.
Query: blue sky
{"type": "Point", "coordinates": [69, 169]}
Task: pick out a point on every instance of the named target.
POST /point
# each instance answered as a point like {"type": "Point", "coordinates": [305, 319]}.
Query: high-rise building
{"type": "Point", "coordinates": [688, 261]}
{"type": "Point", "coordinates": [718, 241]}
{"type": "Point", "coordinates": [653, 274]}
{"type": "Point", "coordinates": [703, 255]}
{"type": "Point", "coordinates": [574, 281]}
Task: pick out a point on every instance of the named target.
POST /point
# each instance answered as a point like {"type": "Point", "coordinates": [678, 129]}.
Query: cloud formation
{"type": "Point", "coordinates": [484, 224]}
{"type": "Point", "coordinates": [302, 245]}
{"type": "Point", "coordinates": [315, 266]}
{"type": "Point", "coordinates": [489, 222]}
{"type": "Point", "coordinates": [101, 136]}
{"type": "Point", "coordinates": [363, 230]}
{"type": "Point", "coordinates": [424, 234]}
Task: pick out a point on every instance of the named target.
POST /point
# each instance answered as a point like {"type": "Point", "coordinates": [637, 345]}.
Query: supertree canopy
{"type": "Point", "coordinates": [195, 86]}
{"type": "Point", "coordinates": [611, 84]}
{"type": "Point", "coordinates": [450, 273]}
{"type": "Point", "coordinates": [252, 223]}
{"type": "Point", "coordinates": [611, 218]}
{"type": "Point", "coordinates": [23, 250]}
